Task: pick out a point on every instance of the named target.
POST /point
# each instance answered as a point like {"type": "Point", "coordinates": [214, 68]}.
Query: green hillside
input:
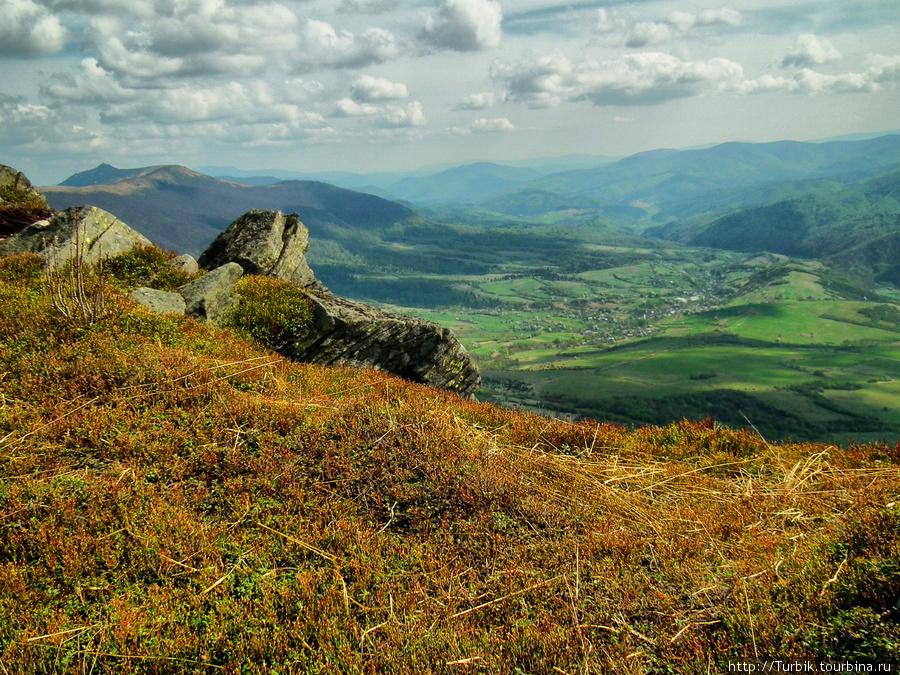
{"type": "Point", "coordinates": [174, 499]}
{"type": "Point", "coordinates": [662, 179]}
{"type": "Point", "coordinates": [814, 226]}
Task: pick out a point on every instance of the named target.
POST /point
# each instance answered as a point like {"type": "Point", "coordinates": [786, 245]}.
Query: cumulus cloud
{"type": "Point", "coordinates": [347, 107]}
{"type": "Point", "coordinates": [322, 45]}
{"type": "Point", "coordinates": [464, 25]}
{"type": "Point", "coordinates": [648, 33]}
{"type": "Point", "coordinates": [653, 77]}
{"type": "Point", "coordinates": [610, 21]}
{"type": "Point", "coordinates": [633, 79]}
{"type": "Point", "coordinates": [477, 101]}
{"type": "Point", "coordinates": [195, 37]}
{"type": "Point", "coordinates": [368, 89]}
{"type": "Point", "coordinates": [92, 83]}
{"type": "Point", "coordinates": [540, 82]}
{"type": "Point", "coordinates": [384, 116]}
{"type": "Point", "coordinates": [884, 71]}
{"type": "Point", "coordinates": [677, 24]}
{"type": "Point", "coordinates": [808, 51]}
{"type": "Point", "coordinates": [395, 117]}
{"type": "Point", "coordinates": [28, 29]}
{"type": "Point", "coordinates": [493, 125]}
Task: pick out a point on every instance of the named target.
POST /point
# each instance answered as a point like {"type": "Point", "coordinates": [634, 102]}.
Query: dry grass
{"type": "Point", "coordinates": [175, 500]}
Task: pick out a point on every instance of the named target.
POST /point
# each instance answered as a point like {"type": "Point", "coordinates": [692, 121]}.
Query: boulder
{"type": "Point", "coordinates": [15, 187]}
{"type": "Point", "coordinates": [210, 296]}
{"type": "Point", "coordinates": [346, 332]}
{"type": "Point", "coordinates": [264, 242]}
{"type": "Point", "coordinates": [342, 332]}
{"type": "Point", "coordinates": [98, 233]}
{"type": "Point", "coordinates": [185, 263]}
{"type": "Point", "coordinates": [160, 302]}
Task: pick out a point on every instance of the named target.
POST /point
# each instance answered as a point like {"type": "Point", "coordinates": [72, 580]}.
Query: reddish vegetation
{"type": "Point", "coordinates": [173, 499]}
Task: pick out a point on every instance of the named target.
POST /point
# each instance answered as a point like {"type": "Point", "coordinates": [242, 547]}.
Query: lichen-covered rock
{"type": "Point", "coordinates": [160, 302]}
{"type": "Point", "coordinates": [98, 233]}
{"type": "Point", "coordinates": [341, 331]}
{"type": "Point", "coordinates": [348, 332]}
{"type": "Point", "coordinates": [185, 263]}
{"type": "Point", "coordinates": [15, 189]}
{"type": "Point", "coordinates": [210, 296]}
{"type": "Point", "coordinates": [264, 242]}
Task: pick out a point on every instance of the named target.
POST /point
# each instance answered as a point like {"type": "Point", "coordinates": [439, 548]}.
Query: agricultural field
{"type": "Point", "coordinates": [786, 348]}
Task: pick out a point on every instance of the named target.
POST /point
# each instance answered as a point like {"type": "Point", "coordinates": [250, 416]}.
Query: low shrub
{"type": "Point", "coordinates": [270, 311]}
{"type": "Point", "coordinates": [147, 266]}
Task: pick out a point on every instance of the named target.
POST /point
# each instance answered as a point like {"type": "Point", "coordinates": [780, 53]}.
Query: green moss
{"type": "Point", "coordinates": [270, 312]}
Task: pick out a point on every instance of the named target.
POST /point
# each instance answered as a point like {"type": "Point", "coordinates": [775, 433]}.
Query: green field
{"type": "Point", "coordinates": [585, 321]}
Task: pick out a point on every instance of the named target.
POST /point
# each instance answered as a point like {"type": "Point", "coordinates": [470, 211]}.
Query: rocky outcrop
{"type": "Point", "coordinates": [210, 296]}
{"type": "Point", "coordinates": [264, 242]}
{"type": "Point", "coordinates": [15, 189]}
{"type": "Point", "coordinates": [159, 302]}
{"type": "Point", "coordinates": [185, 263]}
{"type": "Point", "coordinates": [96, 232]}
{"type": "Point", "coordinates": [267, 243]}
{"type": "Point", "coordinates": [349, 332]}
{"type": "Point", "coordinates": [342, 331]}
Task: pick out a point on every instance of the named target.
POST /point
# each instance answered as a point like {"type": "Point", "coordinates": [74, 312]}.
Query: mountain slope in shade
{"type": "Point", "coordinates": [184, 210]}
{"type": "Point", "coordinates": [811, 226]}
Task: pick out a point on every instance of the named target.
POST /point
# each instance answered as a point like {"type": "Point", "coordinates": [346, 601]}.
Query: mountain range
{"type": "Point", "coordinates": [184, 210]}
{"type": "Point", "coordinates": [831, 199]}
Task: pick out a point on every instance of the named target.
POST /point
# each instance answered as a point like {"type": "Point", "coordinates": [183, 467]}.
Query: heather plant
{"type": "Point", "coordinates": [173, 498]}
{"type": "Point", "coordinates": [147, 265]}
{"type": "Point", "coordinates": [269, 311]}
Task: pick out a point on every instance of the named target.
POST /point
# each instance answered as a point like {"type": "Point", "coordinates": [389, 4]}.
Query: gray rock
{"type": "Point", "coordinates": [210, 296]}
{"type": "Point", "coordinates": [16, 180]}
{"type": "Point", "coordinates": [345, 332]}
{"type": "Point", "coordinates": [185, 263]}
{"type": "Point", "coordinates": [264, 242]}
{"type": "Point", "coordinates": [160, 302]}
{"type": "Point", "coordinates": [101, 234]}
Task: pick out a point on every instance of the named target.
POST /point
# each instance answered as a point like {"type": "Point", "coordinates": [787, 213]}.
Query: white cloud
{"type": "Point", "coordinates": [28, 29]}
{"type": "Point", "coordinates": [478, 101]}
{"type": "Point", "coordinates": [368, 89]}
{"type": "Point", "coordinates": [677, 24]}
{"type": "Point", "coordinates": [808, 50]}
{"type": "Point", "coordinates": [722, 16]}
{"type": "Point", "coordinates": [302, 91]}
{"type": "Point", "coordinates": [322, 45]}
{"type": "Point", "coordinates": [884, 71]}
{"type": "Point", "coordinates": [653, 77]}
{"type": "Point", "coordinates": [91, 84]}
{"type": "Point", "coordinates": [411, 115]}
{"type": "Point", "coordinates": [195, 37]}
{"type": "Point", "coordinates": [648, 33]}
{"type": "Point", "coordinates": [347, 107]}
{"type": "Point", "coordinates": [540, 82]}
{"type": "Point", "coordinates": [464, 25]}
{"type": "Point", "coordinates": [610, 21]}
{"type": "Point", "coordinates": [493, 125]}
{"type": "Point", "coordinates": [633, 79]}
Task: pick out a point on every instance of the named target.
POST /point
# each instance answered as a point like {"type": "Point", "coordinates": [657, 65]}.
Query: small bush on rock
{"type": "Point", "coordinates": [147, 266]}
{"type": "Point", "coordinates": [270, 311]}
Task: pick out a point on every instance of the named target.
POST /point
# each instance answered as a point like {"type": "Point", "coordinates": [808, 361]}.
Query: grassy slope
{"type": "Point", "coordinates": [173, 499]}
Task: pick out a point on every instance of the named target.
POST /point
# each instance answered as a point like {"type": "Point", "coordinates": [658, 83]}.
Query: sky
{"type": "Point", "coordinates": [395, 85]}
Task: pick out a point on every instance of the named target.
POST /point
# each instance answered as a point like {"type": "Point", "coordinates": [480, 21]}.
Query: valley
{"type": "Point", "coordinates": [571, 308]}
